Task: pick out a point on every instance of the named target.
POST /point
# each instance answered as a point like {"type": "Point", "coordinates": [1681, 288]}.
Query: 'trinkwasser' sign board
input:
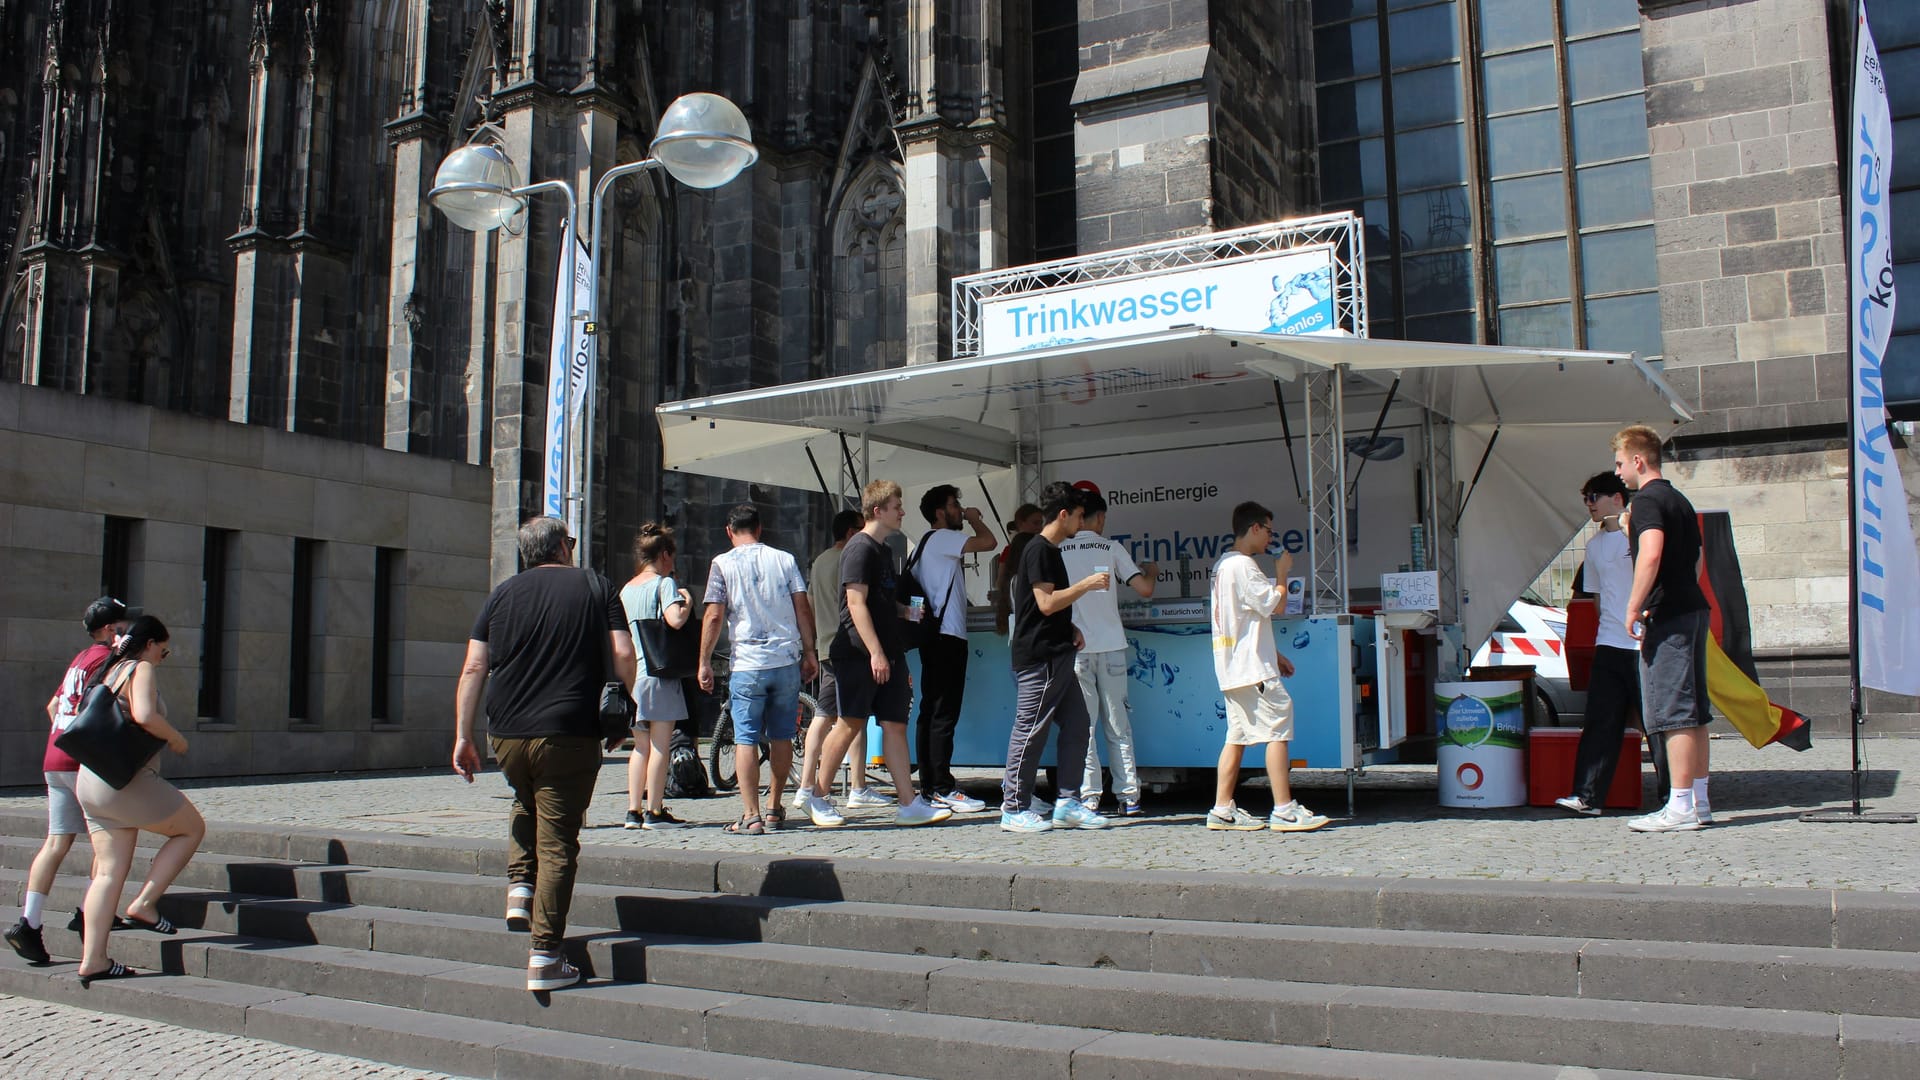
{"type": "Point", "coordinates": [1288, 292]}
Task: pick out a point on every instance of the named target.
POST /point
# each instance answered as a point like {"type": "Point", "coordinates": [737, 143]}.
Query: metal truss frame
{"type": "Point", "coordinates": [1340, 233]}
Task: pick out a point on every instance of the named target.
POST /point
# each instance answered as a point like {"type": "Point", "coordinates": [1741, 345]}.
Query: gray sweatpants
{"type": "Point", "coordinates": [1046, 695]}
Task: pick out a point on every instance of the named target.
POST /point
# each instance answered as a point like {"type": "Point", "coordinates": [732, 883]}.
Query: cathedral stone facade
{"type": "Point", "coordinates": [213, 220]}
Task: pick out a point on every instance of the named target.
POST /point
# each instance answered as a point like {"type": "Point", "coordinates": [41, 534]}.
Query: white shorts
{"type": "Point", "coordinates": [1257, 714]}
{"type": "Point", "coordinates": [64, 816]}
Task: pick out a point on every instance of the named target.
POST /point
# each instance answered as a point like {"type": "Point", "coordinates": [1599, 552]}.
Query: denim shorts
{"type": "Point", "coordinates": [765, 704]}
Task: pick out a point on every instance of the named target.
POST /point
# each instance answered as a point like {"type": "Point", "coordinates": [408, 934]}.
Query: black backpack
{"type": "Point", "coordinates": [906, 587]}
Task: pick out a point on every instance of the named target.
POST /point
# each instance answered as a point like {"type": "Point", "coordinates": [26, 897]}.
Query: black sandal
{"type": "Point", "coordinates": [159, 926]}
{"type": "Point", "coordinates": [117, 971]}
{"type": "Point", "coordinates": [748, 827]}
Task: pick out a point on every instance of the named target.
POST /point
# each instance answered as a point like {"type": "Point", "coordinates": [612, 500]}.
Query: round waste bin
{"type": "Point", "coordinates": [1483, 743]}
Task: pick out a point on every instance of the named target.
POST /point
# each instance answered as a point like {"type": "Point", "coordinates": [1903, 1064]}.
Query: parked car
{"type": "Point", "coordinates": [1533, 634]}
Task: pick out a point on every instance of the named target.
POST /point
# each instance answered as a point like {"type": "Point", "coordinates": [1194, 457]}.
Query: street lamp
{"type": "Point", "coordinates": [702, 140]}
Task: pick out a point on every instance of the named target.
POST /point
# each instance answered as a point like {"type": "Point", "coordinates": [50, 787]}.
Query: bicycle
{"type": "Point", "coordinates": [721, 764]}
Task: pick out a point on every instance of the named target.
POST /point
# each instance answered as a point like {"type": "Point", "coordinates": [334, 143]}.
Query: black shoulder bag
{"type": "Point", "coordinates": [617, 709]}
{"type": "Point", "coordinates": [104, 738]}
{"type": "Point", "coordinates": [667, 652]}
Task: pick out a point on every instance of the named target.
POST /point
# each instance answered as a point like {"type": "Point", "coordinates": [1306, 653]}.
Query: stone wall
{"type": "Point", "coordinates": [1747, 208]}
{"type": "Point", "coordinates": [67, 461]}
{"type": "Point", "coordinates": [1747, 200]}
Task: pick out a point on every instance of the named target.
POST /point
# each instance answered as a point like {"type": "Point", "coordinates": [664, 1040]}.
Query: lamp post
{"type": "Point", "coordinates": [702, 140]}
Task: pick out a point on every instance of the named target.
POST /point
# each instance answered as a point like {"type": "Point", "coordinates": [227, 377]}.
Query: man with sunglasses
{"type": "Point", "coordinates": [1613, 689]}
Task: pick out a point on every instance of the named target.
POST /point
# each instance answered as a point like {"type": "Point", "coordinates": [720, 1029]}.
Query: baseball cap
{"type": "Point", "coordinates": [103, 612]}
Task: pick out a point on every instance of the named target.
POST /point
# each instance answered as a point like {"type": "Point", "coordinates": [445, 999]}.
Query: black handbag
{"type": "Point", "coordinates": [668, 653]}
{"type": "Point", "coordinates": [617, 710]}
{"type": "Point", "coordinates": [105, 739]}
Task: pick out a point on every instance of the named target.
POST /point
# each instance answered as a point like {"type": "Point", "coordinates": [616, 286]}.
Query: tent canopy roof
{"type": "Point", "coordinates": [937, 423]}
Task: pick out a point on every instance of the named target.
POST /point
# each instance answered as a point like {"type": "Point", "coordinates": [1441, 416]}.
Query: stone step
{"type": "Point", "coordinates": [469, 966]}
{"type": "Point", "coordinates": [1806, 918]}
{"type": "Point", "coordinates": [443, 1042]}
{"type": "Point", "coordinates": [223, 975]}
{"type": "Point", "coordinates": [460, 913]}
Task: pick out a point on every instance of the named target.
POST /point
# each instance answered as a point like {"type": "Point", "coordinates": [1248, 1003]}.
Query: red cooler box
{"type": "Point", "coordinates": [1550, 753]}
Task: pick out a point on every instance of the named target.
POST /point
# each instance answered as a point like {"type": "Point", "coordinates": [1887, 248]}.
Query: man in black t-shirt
{"type": "Point", "coordinates": [1667, 613]}
{"type": "Point", "coordinates": [1046, 690]}
{"type": "Point", "coordinates": [537, 656]}
{"type": "Point", "coordinates": [869, 659]}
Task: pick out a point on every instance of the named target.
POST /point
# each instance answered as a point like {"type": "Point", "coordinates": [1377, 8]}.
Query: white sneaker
{"type": "Point", "coordinates": [1666, 819]}
{"type": "Point", "coordinates": [800, 797]}
{"type": "Point", "coordinates": [1074, 814]}
{"type": "Point", "coordinates": [1238, 821]}
{"type": "Point", "coordinates": [867, 798]}
{"type": "Point", "coordinates": [959, 802]}
{"type": "Point", "coordinates": [1026, 821]}
{"type": "Point", "coordinates": [1294, 818]}
{"type": "Point", "coordinates": [921, 812]}
{"type": "Point", "coordinates": [822, 813]}
{"type": "Point", "coordinates": [1576, 805]}
{"type": "Point", "coordinates": [1704, 813]}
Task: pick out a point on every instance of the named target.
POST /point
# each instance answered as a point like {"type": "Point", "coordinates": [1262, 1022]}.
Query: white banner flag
{"type": "Point", "coordinates": [566, 388]}
{"type": "Point", "coordinates": [1886, 585]}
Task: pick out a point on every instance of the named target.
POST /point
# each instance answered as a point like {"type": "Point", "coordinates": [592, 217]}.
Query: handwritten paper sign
{"type": "Point", "coordinates": [1417, 591]}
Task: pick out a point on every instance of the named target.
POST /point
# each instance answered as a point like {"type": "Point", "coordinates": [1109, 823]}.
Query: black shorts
{"type": "Point", "coordinates": [1673, 672]}
{"type": "Point", "coordinates": [860, 697]}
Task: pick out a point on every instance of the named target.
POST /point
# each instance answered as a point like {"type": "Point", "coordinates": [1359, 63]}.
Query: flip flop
{"type": "Point", "coordinates": [747, 826]}
{"type": "Point", "coordinates": [117, 971]}
{"type": "Point", "coordinates": [158, 926]}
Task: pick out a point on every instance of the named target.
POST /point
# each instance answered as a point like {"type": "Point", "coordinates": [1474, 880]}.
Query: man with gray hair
{"type": "Point", "coordinates": [536, 653]}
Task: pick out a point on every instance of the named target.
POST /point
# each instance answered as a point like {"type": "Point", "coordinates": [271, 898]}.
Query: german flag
{"type": "Point", "coordinates": [1731, 681]}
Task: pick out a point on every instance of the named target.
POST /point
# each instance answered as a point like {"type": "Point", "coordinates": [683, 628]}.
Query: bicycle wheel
{"type": "Point", "coordinates": [722, 767]}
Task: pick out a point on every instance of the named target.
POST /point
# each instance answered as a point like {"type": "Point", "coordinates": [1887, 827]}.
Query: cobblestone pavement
{"type": "Point", "coordinates": [43, 1040]}
{"type": "Point", "coordinates": [1398, 831]}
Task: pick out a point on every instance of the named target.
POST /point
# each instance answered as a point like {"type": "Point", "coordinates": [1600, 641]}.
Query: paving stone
{"type": "Point", "coordinates": [912, 1044]}
{"type": "Point", "coordinates": [837, 976]}
{"type": "Point", "coordinates": [1752, 976]}
{"type": "Point", "coordinates": [1504, 963]}
{"type": "Point", "coordinates": [1247, 1009]}
{"type": "Point", "coordinates": [1878, 1048]}
{"type": "Point", "coordinates": [1154, 1057]}
{"type": "Point", "coordinates": [584, 1057]}
{"type": "Point", "coordinates": [45, 1039]}
{"type": "Point", "coordinates": [663, 1015]}
{"type": "Point", "coordinates": [1025, 937]}
{"type": "Point", "coordinates": [1753, 1044]}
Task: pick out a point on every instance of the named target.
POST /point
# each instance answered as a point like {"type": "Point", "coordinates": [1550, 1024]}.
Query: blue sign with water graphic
{"type": "Point", "coordinates": [1179, 715]}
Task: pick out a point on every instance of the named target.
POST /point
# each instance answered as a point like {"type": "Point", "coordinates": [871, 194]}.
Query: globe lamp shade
{"type": "Point", "coordinates": [474, 188]}
{"type": "Point", "coordinates": [704, 141]}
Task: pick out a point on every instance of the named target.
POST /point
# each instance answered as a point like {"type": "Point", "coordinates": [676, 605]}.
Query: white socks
{"type": "Point", "coordinates": [1224, 809]}
{"type": "Point", "coordinates": [1681, 800]}
{"type": "Point", "coordinates": [31, 910]}
{"type": "Point", "coordinates": [1700, 795]}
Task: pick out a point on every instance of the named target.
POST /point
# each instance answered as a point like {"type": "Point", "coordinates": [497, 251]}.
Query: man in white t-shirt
{"type": "Point", "coordinates": [1613, 689]}
{"type": "Point", "coordinates": [1249, 667]}
{"type": "Point", "coordinates": [943, 660]}
{"type": "Point", "coordinates": [1101, 665]}
{"type": "Point", "coordinates": [757, 591]}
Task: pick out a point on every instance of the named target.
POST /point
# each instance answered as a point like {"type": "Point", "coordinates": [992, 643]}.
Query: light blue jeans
{"type": "Point", "coordinates": [1103, 683]}
{"type": "Point", "coordinates": [765, 704]}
